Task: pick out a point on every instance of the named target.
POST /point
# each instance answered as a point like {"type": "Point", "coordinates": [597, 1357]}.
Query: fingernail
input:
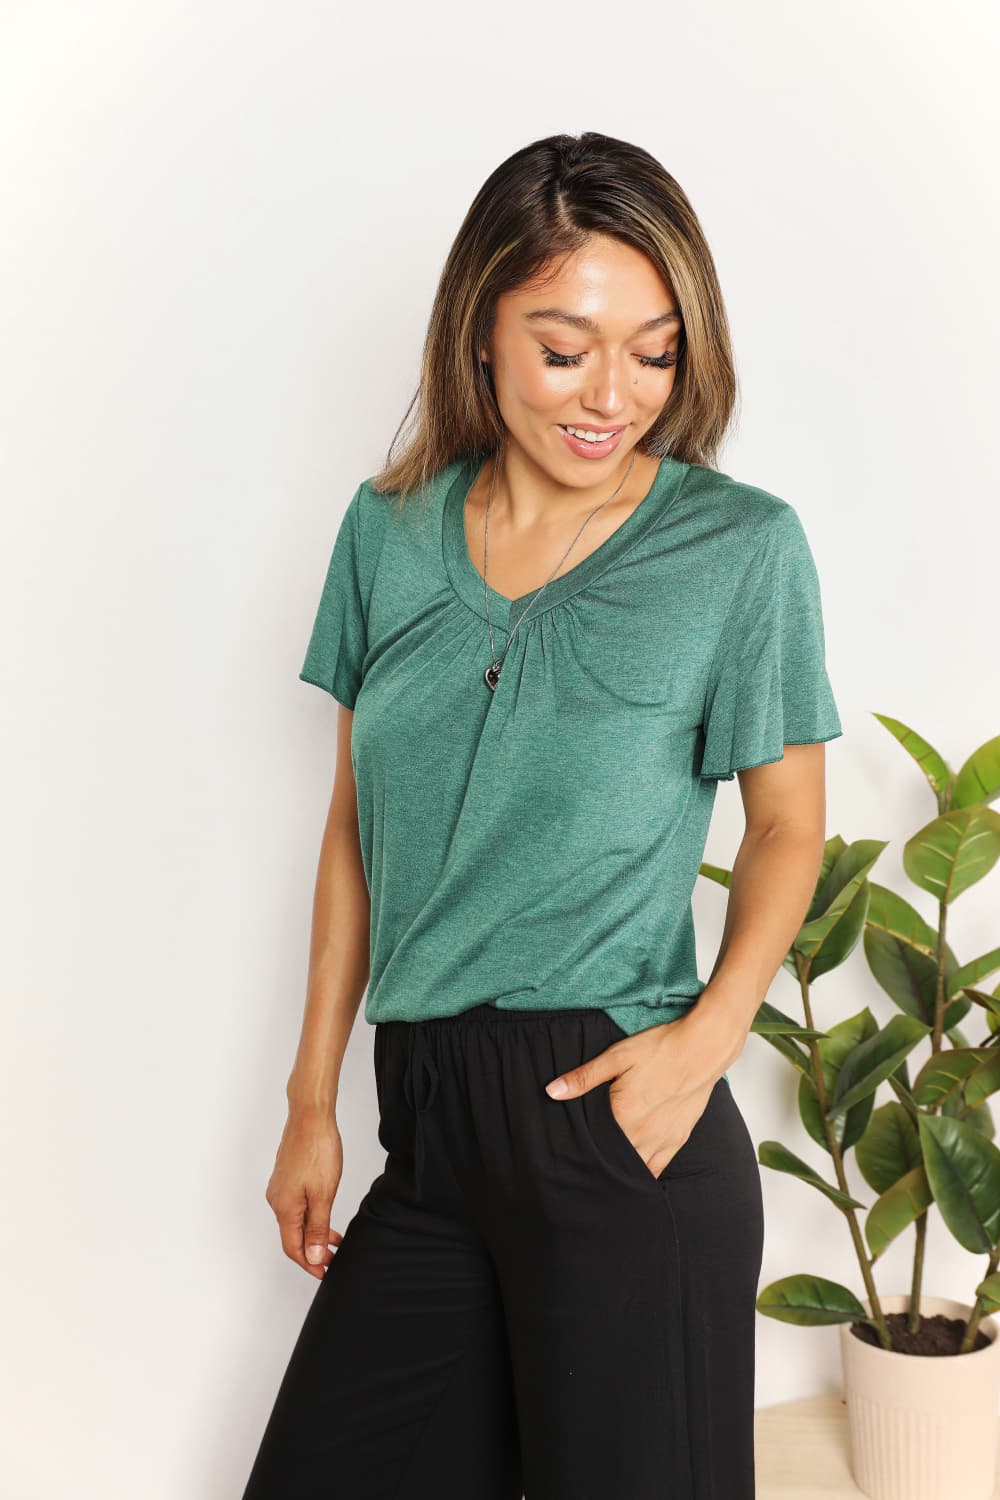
{"type": "Point", "coordinates": [557, 1088]}
{"type": "Point", "coordinates": [314, 1253]}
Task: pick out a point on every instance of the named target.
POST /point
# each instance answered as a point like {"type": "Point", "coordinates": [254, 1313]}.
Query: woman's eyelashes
{"type": "Point", "coordinates": [562, 361]}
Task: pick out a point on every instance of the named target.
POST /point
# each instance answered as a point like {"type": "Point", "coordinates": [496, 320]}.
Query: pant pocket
{"type": "Point", "coordinates": [705, 1149]}
{"type": "Point", "coordinates": [614, 1133]}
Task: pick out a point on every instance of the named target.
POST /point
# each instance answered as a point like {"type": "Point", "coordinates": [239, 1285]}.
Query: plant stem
{"type": "Point", "coordinates": [819, 1083]}
{"type": "Point", "coordinates": [978, 1308]}
{"type": "Point", "coordinates": [913, 1315]}
{"type": "Point", "coordinates": [939, 997]}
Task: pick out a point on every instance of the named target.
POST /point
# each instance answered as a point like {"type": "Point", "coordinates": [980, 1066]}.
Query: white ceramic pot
{"type": "Point", "coordinates": [922, 1427]}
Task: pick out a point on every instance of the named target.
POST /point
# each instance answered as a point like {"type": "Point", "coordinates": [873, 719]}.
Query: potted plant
{"type": "Point", "coordinates": [921, 1373]}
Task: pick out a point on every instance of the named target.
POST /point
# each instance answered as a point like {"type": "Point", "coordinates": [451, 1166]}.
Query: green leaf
{"type": "Point", "coordinates": [989, 1292]}
{"type": "Point", "coordinates": [944, 1074]}
{"type": "Point", "coordinates": [990, 1003]}
{"type": "Point", "coordinates": [844, 865]}
{"type": "Point", "coordinates": [847, 1129]}
{"type": "Point", "coordinates": [810, 1301]}
{"type": "Point", "coordinates": [839, 1043]}
{"type": "Point", "coordinates": [769, 1021]}
{"type": "Point", "coordinates": [909, 977]}
{"type": "Point", "coordinates": [981, 1119]}
{"type": "Point", "coordinates": [896, 1210]}
{"type": "Point", "coordinates": [874, 1060]}
{"type": "Point", "coordinates": [832, 850]}
{"type": "Point", "coordinates": [840, 888]}
{"type": "Point", "coordinates": [778, 1157]}
{"type": "Point", "coordinates": [976, 969]}
{"type": "Point", "coordinates": [789, 1050]}
{"type": "Point", "coordinates": [890, 1147]}
{"type": "Point", "coordinates": [838, 944]}
{"type": "Point", "coordinates": [953, 851]}
{"type": "Point", "coordinates": [893, 914]}
{"type": "Point", "coordinates": [964, 1173]}
{"type": "Point", "coordinates": [978, 780]}
{"type": "Point", "coordinates": [898, 1083]}
{"type": "Point", "coordinates": [985, 1079]}
{"type": "Point", "coordinates": [716, 873]}
{"type": "Point", "coordinates": [933, 765]}
{"type": "Point", "coordinates": [901, 949]}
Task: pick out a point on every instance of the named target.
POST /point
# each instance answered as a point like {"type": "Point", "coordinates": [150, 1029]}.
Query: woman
{"type": "Point", "coordinates": [552, 627]}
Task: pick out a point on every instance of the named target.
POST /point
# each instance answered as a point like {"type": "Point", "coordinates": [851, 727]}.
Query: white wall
{"type": "Point", "coordinates": [223, 224]}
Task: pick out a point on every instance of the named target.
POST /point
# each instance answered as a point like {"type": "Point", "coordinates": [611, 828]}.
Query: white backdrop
{"type": "Point", "coordinates": [223, 224]}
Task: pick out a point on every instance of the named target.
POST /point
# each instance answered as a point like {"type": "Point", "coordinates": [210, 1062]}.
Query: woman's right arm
{"type": "Point", "coordinates": [310, 1161]}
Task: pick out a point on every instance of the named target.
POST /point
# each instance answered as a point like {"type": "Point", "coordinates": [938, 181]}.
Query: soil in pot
{"type": "Point", "coordinates": [936, 1334]}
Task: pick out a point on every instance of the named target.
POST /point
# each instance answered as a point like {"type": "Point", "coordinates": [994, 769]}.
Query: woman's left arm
{"type": "Point", "coordinates": [773, 882]}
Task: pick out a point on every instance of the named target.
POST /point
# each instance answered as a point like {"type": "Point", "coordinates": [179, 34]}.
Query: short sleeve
{"type": "Point", "coordinates": [768, 686]}
{"type": "Point", "coordinates": [337, 646]}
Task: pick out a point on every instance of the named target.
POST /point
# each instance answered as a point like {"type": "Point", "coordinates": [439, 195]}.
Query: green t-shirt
{"type": "Point", "coordinates": [537, 846]}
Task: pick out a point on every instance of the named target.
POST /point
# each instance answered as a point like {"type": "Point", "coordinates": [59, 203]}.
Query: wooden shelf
{"type": "Point", "coordinates": [803, 1451]}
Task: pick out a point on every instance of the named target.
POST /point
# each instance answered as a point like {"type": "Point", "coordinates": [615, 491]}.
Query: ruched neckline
{"type": "Point", "coordinates": [467, 581]}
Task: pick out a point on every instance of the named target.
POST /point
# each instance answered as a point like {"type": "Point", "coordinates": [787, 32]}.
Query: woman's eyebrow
{"type": "Point", "coordinates": [587, 325]}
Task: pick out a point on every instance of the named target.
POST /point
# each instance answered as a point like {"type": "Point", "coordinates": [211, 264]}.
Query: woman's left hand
{"type": "Point", "coordinates": [667, 1075]}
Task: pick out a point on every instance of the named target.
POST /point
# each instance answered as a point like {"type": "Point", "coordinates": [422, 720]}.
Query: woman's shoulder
{"type": "Point", "coordinates": [742, 515]}
{"type": "Point", "coordinates": [377, 505]}
{"type": "Point", "coordinates": [435, 485]}
{"type": "Point", "coordinates": [736, 499]}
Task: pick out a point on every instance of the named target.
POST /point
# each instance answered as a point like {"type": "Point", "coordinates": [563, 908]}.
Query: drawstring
{"type": "Point", "coordinates": [419, 1060]}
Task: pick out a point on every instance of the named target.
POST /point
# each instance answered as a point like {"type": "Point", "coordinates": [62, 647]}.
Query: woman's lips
{"type": "Point", "coordinates": [584, 449]}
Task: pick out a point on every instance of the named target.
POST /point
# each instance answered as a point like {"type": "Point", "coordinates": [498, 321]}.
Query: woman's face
{"type": "Point", "coordinates": [593, 349]}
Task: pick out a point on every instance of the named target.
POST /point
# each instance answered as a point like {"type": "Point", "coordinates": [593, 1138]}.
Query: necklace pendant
{"type": "Point", "coordinates": [492, 676]}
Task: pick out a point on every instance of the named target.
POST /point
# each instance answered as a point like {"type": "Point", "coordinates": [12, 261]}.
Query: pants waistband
{"type": "Point", "coordinates": [489, 1012]}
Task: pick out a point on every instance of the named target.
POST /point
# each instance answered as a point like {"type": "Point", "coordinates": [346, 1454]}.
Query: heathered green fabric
{"type": "Point", "coordinates": [538, 846]}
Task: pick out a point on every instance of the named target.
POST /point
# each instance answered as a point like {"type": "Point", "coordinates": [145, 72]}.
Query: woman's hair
{"type": "Point", "coordinates": [539, 206]}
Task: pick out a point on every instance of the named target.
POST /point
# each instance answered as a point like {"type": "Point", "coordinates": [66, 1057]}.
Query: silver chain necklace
{"type": "Point", "coordinates": [492, 674]}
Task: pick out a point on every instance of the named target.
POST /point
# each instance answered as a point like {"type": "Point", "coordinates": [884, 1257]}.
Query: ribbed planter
{"type": "Point", "coordinates": [922, 1427]}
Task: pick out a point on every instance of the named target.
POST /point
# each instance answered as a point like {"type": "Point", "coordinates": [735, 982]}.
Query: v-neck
{"type": "Point", "coordinates": [467, 581]}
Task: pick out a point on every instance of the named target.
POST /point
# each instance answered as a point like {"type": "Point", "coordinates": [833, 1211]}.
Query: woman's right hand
{"type": "Point", "coordinates": [301, 1190]}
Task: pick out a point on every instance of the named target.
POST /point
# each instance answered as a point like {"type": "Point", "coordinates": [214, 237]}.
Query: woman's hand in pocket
{"type": "Point", "coordinates": [302, 1187]}
{"type": "Point", "coordinates": [661, 1081]}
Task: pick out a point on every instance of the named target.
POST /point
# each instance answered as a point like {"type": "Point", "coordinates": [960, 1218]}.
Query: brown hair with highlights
{"type": "Point", "coordinates": [537, 207]}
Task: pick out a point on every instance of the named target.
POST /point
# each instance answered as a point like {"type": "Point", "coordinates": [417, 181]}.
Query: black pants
{"type": "Point", "coordinates": [519, 1306]}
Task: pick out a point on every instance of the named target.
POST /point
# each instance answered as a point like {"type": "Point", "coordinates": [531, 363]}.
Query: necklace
{"type": "Point", "coordinates": [492, 673]}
